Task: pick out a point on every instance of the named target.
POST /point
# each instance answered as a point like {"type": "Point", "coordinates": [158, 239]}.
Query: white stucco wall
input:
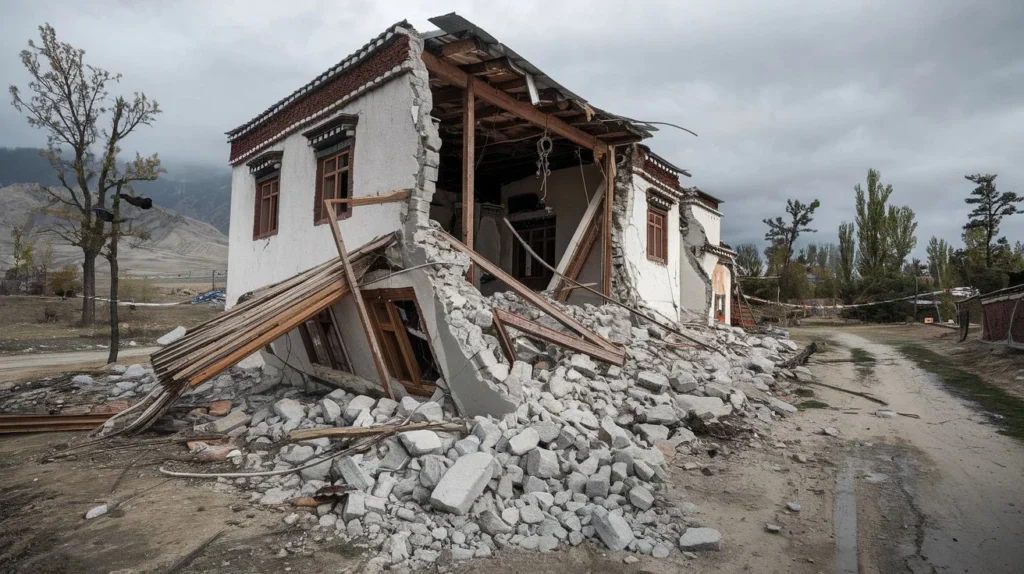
{"type": "Point", "coordinates": [656, 284]}
{"type": "Point", "coordinates": [711, 221]}
{"type": "Point", "coordinates": [567, 196]}
{"type": "Point", "coordinates": [385, 160]}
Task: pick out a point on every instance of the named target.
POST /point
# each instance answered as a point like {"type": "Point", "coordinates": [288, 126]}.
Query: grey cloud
{"type": "Point", "coordinates": [791, 99]}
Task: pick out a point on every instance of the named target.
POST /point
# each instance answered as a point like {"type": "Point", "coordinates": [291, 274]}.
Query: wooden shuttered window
{"type": "Point", "coordinates": [333, 181]}
{"type": "Point", "coordinates": [657, 237]}
{"type": "Point", "coordinates": [403, 338]}
{"type": "Point", "coordinates": [267, 207]}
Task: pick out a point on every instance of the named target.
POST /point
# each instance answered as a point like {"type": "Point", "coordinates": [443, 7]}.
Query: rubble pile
{"type": "Point", "coordinates": [583, 456]}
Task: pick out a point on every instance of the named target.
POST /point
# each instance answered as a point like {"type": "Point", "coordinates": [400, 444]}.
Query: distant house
{"type": "Point", "coordinates": [480, 143]}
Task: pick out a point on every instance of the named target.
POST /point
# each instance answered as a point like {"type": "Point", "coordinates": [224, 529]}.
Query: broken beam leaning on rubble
{"type": "Point", "coordinates": [351, 432]}
{"type": "Point", "coordinates": [506, 344]}
{"type": "Point", "coordinates": [552, 336]}
{"type": "Point", "coordinates": [528, 294]}
{"type": "Point", "coordinates": [577, 285]}
{"type": "Point", "coordinates": [364, 317]}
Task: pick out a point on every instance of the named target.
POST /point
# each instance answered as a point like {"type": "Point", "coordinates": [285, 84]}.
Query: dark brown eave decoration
{"type": "Point", "coordinates": [338, 128]}
{"type": "Point", "coordinates": [265, 162]}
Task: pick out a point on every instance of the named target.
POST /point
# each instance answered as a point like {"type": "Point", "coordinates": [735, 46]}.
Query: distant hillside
{"type": "Point", "coordinates": [196, 191]}
{"type": "Point", "coordinates": [178, 244]}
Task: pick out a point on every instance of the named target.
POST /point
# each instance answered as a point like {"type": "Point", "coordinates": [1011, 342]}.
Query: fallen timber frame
{"type": "Point", "coordinates": [221, 342]}
{"type": "Point", "coordinates": [528, 294]}
{"type": "Point", "coordinates": [532, 329]}
{"type": "Point", "coordinates": [17, 424]}
{"type": "Point", "coordinates": [353, 286]}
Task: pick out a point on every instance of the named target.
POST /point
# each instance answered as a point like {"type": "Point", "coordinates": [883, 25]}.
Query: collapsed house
{"type": "Point", "coordinates": [393, 137]}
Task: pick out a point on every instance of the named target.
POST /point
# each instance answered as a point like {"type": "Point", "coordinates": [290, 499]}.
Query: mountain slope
{"type": "Point", "coordinates": [197, 191]}
{"type": "Point", "coordinates": [178, 244]}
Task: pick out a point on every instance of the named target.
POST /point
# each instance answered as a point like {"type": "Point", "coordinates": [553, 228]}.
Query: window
{"type": "Point", "coordinates": [657, 238]}
{"type": "Point", "coordinates": [267, 199]}
{"type": "Point", "coordinates": [403, 339]}
{"type": "Point", "coordinates": [323, 344]}
{"type": "Point", "coordinates": [333, 181]}
{"type": "Point", "coordinates": [266, 170]}
{"type": "Point", "coordinates": [539, 234]}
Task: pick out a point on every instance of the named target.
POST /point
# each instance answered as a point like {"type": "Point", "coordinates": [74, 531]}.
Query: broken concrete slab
{"type": "Point", "coordinates": [463, 483]}
{"type": "Point", "coordinates": [699, 539]}
{"type": "Point", "coordinates": [420, 442]}
{"type": "Point", "coordinates": [612, 529]}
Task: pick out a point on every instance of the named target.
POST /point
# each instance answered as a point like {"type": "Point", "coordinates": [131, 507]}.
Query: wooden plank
{"type": "Point", "coordinates": [453, 75]}
{"type": "Point", "coordinates": [563, 290]}
{"type": "Point", "coordinates": [606, 230]}
{"type": "Point", "coordinates": [501, 64]}
{"type": "Point", "coordinates": [468, 166]}
{"type": "Point", "coordinates": [397, 195]}
{"type": "Point", "coordinates": [528, 294]}
{"type": "Point", "coordinates": [460, 47]}
{"type": "Point", "coordinates": [506, 344]}
{"type": "Point", "coordinates": [617, 357]}
{"type": "Point", "coordinates": [576, 253]}
{"type": "Point", "coordinates": [364, 317]}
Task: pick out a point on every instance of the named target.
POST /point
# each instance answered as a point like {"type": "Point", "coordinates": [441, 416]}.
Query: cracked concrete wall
{"type": "Point", "coordinates": [696, 290]}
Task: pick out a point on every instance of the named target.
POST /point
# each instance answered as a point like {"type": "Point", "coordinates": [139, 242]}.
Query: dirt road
{"type": "Point", "coordinates": [939, 493]}
{"type": "Point", "coordinates": [16, 367]}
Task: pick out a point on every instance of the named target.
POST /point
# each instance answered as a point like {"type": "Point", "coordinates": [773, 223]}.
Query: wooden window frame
{"type": "Point", "coordinates": [521, 259]}
{"type": "Point", "coordinates": [268, 189]}
{"type": "Point", "coordinates": [398, 353]}
{"type": "Point", "coordinates": [657, 235]}
{"type": "Point", "coordinates": [336, 152]}
{"type": "Point", "coordinates": [337, 359]}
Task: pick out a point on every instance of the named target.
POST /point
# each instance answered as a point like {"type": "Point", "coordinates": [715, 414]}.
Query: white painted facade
{"type": "Point", "coordinates": [384, 160]}
{"type": "Point", "coordinates": [657, 284]}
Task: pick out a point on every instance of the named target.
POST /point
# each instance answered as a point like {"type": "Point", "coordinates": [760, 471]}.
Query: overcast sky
{"type": "Point", "coordinates": [790, 99]}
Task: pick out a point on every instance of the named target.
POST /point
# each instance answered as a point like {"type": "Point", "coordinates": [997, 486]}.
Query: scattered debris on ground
{"type": "Point", "coordinates": [583, 456]}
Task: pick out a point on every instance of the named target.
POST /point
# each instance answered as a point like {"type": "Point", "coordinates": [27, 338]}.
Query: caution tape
{"type": "Point", "coordinates": [850, 306]}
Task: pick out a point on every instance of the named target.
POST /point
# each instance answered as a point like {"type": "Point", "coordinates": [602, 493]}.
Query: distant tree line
{"type": "Point", "coordinates": [870, 262]}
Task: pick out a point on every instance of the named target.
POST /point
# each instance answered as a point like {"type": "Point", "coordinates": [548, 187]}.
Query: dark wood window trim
{"type": "Point", "coordinates": [540, 235]}
{"type": "Point", "coordinates": [323, 342]}
{"type": "Point", "coordinates": [389, 311]}
{"type": "Point", "coordinates": [657, 235]}
{"type": "Point", "coordinates": [334, 169]}
{"type": "Point", "coordinates": [267, 208]}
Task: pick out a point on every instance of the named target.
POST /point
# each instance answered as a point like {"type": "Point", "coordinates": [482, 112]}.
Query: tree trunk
{"type": "Point", "coordinates": [89, 289]}
{"type": "Point", "coordinates": [115, 325]}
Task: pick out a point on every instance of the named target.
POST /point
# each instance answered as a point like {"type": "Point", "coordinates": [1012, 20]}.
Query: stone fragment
{"type": "Point", "coordinates": [82, 380]}
{"type": "Point", "coordinates": [96, 511]}
{"type": "Point", "coordinates": [698, 539]}
{"type": "Point", "coordinates": [781, 407]}
{"type": "Point", "coordinates": [524, 442]}
{"type": "Point", "coordinates": [652, 381]}
{"type": "Point", "coordinates": [584, 365]}
{"type": "Point", "coordinates": [653, 433]}
{"type": "Point", "coordinates": [613, 434]}
{"type": "Point", "coordinates": [599, 483]}
{"type": "Point", "coordinates": [357, 405]}
{"type": "Point", "coordinates": [134, 372]}
{"type": "Point", "coordinates": [641, 498]}
{"type": "Point", "coordinates": [331, 411]}
{"type": "Point", "coordinates": [542, 463]}
{"type": "Point", "coordinates": [226, 424]}
{"type": "Point", "coordinates": [773, 528]}
{"type": "Point", "coordinates": [492, 524]}
{"type": "Point", "coordinates": [547, 431]}
{"type": "Point", "coordinates": [352, 473]}
{"type": "Point", "coordinates": [660, 551]}
{"type": "Point", "coordinates": [289, 410]}
{"type": "Point", "coordinates": [794, 506]}
{"type": "Point", "coordinates": [420, 442]}
{"type": "Point", "coordinates": [463, 483]}
{"type": "Point", "coordinates": [830, 431]}
{"type": "Point", "coordinates": [703, 407]}
{"type": "Point", "coordinates": [432, 470]}
{"type": "Point", "coordinates": [612, 529]}
{"type": "Point", "coordinates": [530, 514]}
{"type": "Point", "coordinates": [355, 506]}
{"type": "Point", "coordinates": [557, 385]}
{"type": "Point", "coordinates": [661, 415]}
{"type": "Point", "coordinates": [547, 543]}
{"type": "Point", "coordinates": [488, 433]}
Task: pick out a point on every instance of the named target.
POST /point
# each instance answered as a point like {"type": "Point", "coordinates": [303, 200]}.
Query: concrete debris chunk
{"type": "Point", "coordinates": [524, 442]}
{"type": "Point", "coordinates": [356, 406]}
{"type": "Point", "coordinates": [613, 434]}
{"type": "Point", "coordinates": [289, 410]}
{"type": "Point", "coordinates": [699, 539]}
{"type": "Point", "coordinates": [584, 365]}
{"type": "Point", "coordinates": [463, 483]}
{"type": "Point", "coordinates": [654, 382]}
{"type": "Point", "coordinates": [172, 336]}
{"type": "Point", "coordinates": [420, 442]}
{"type": "Point", "coordinates": [612, 529]}
{"type": "Point", "coordinates": [542, 463]}
{"type": "Point", "coordinates": [781, 407]}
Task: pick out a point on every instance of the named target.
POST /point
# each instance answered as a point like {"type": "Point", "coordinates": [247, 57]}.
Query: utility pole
{"type": "Point", "coordinates": [915, 298]}
{"type": "Point", "coordinates": [213, 280]}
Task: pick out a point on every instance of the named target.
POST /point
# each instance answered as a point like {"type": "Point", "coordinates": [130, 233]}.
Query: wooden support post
{"type": "Point", "coordinates": [606, 230]}
{"type": "Point", "coordinates": [364, 317]}
{"type": "Point", "coordinates": [468, 166]}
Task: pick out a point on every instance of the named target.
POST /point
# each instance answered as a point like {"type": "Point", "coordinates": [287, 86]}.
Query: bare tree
{"type": "Point", "coordinates": [783, 234]}
{"type": "Point", "coordinates": [85, 125]}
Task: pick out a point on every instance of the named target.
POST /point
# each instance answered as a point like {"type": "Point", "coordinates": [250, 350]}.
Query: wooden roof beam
{"type": "Point", "coordinates": [461, 47]}
{"type": "Point", "coordinates": [502, 64]}
{"type": "Point", "coordinates": [456, 77]}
